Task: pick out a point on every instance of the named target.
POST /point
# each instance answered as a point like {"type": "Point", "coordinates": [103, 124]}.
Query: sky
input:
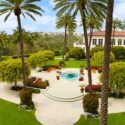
{"type": "Point", "coordinates": [46, 23]}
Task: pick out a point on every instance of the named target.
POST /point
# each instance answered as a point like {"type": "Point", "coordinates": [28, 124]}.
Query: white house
{"type": "Point", "coordinates": [99, 39]}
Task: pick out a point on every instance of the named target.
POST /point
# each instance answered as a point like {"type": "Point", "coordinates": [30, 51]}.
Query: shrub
{"type": "Point", "coordinates": [96, 49]}
{"type": "Point", "coordinates": [40, 58]}
{"type": "Point", "coordinates": [119, 95]}
{"type": "Point", "coordinates": [57, 53]}
{"type": "Point", "coordinates": [95, 88]}
{"type": "Point", "coordinates": [91, 103]}
{"type": "Point", "coordinates": [11, 70]}
{"type": "Point", "coordinates": [26, 97]}
{"type": "Point", "coordinates": [98, 57]}
{"type": "Point", "coordinates": [36, 90]}
{"type": "Point", "coordinates": [16, 88]}
{"type": "Point", "coordinates": [119, 52]}
{"type": "Point", "coordinates": [38, 83]}
{"type": "Point", "coordinates": [77, 53]}
{"type": "Point", "coordinates": [117, 75]}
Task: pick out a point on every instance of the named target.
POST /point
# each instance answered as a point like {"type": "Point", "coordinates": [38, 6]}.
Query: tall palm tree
{"type": "Point", "coordinates": [115, 25]}
{"type": "Point", "coordinates": [20, 7]}
{"type": "Point", "coordinates": [107, 49]}
{"type": "Point", "coordinates": [93, 23]}
{"type": "Point", "coordinates": [67, 22]}
{"type": "Point", "coordinates": [84, 7]}
{"type": "Point", "coordinates": [3, 41]}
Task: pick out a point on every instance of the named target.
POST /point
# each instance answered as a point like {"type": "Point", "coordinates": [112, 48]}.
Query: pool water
{"type": "Point", "coordinates": [70, 76]}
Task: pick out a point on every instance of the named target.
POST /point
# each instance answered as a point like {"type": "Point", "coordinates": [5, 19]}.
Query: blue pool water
{"type": "Point", "coordinates": [70, 76]}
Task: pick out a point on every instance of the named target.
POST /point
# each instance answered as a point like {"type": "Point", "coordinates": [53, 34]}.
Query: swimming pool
{"type": "Point", "coordinates": [70, 76]}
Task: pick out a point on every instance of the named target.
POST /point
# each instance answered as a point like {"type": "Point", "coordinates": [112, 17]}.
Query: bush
{"type": "Point", "coordinates": [16, 88]}
{"type": "Point", "coordinates": [119, 95]}
{"type": "Point", "coordinates": [119, 52]}
{"type": "Point", "coordinates": [62, 63]}
{"type": "Point", "coordinates": [36, 90]}
{"type": "Point", "coordinates": [117, 75]}
{"type": "Point", "coordinates": [96, 49]}
{"type": "Point", "coordinates": [77, 53]}
{"type": "Point", "coordinates": [11, 70]}
{"type": "Point", "coordinates": [98, 57]}
{"type": "Point", "coordinates": [37, 83]}
{"type": "Point", "coordinates": [40, 58]}
{"type": "Point", "coordinates": [95, 88]}
{"type": "Point", "coordinates": [57, 53]}
{"type": "Point", "coordinates": [91, 103]}
{"type": "Point", "coordinates": [26, 97]}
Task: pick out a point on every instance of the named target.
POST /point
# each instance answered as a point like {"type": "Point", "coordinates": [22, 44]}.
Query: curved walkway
{"type": "Point", "coordinates": [50, 112]}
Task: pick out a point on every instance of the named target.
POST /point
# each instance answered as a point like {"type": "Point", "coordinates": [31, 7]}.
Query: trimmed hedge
{"type": "Point", "coordinates": [77, 53]}
{"type": "Point", "coordinates": [91, 103]}
{"type": "Point", "coordinates": [119, 52]}
{"type": "Point", "coordinates": [96, 49]}
{"type": "Point", "coordinates": [98, 57]}
{"type": "Point", "coordinates": [40, 58]}
{"type": "Point", "coordinates": [117, 75]}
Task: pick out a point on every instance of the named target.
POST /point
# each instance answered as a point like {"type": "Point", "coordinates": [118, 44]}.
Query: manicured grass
{"type": "Point", "coordinates": [71, 63]}
{"type": "Point", "coordinates": [11, 114]}
{"type": "Point", "coordinates": [113, 119]}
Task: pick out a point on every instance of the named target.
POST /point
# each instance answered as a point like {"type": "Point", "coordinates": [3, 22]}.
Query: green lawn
{"type": "Point", "coordinates": [11, 114]}
{"type": "Point", "coordinates": [71, 63]}
{"type": "Point", "coordinates": [113, 119]}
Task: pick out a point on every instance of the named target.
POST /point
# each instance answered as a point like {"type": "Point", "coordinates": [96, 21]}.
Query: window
{"type": "Point", "coordinates": [124, 42]}
{"type": "Point", "coordinates": [113, 41]}
{"type": "Point", "coordinates": [94, 41]}
{"type": "Point", "coordinates": [119, 41]}
{"type": "Point", "coordinates": [100, 42]}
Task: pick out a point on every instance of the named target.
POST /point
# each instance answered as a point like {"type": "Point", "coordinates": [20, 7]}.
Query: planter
{"type": "Point", "coordinates": [57, 77]}
{"type": "Point", "coordinates": [81, 79]}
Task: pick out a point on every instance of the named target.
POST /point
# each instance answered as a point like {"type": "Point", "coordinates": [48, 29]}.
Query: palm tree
{"type": "Point", "coordinates": [84, 7]}
{"type": "Point", "coordinates": [67, 22]}
{"type": "Point", "coordinates": [117, 24]}
{"type": "Point", "coordinates": [3, 41]}
{"type": "Point", "coordinates": [20, 7]}
{"type": "Point", "coordinates": [93, 23]}
{"type": "Point", "coordinates": [107, 49]}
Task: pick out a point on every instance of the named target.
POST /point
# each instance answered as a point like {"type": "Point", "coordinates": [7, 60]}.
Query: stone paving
{"type": "Point", "coordinates": [50, 112]}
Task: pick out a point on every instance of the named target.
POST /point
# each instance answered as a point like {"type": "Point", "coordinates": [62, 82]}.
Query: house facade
{"type": "Point", "coordinates": [99, 39]}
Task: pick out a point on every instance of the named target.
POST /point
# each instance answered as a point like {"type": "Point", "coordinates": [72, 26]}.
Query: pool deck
{"type": "Point", "coordinates": [50, 112]}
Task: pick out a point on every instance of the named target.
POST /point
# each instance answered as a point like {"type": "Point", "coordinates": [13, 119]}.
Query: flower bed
{"type": "Point", "coordinates": [37, 83]}
{"type": "Point", "coordinates": [95, 88]}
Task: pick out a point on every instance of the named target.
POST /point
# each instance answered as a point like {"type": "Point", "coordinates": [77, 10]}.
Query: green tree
{"type": "Point", "coordinates": [93, 23]}
{"type": "Point", "coordinates": [84, 7]}
{"type": "Point", "coordinates": [11, 71]}
{"type": "Point", "coordinates": [20, 7]}
{"type": "Point", "coordinates": [107, 50]}
{"type": "Point", "coordinates": [3, 42]}
{"type": "Point", "coordinates": [67, 22]}
{"type": "Point", "coordinates": [117, 24]}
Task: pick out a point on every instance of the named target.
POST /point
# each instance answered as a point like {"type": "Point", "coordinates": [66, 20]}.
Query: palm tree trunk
{"type": "Point", "coordinates": [87, 53]}
{"type": "Point", "coordinates": [113, 36]}
{"type": "Point", "coordinates": [107, 49]}
{"type": "Point", "coordinates": [65, 43]}
{"type": "Point", "coordinates": [90, 38]}
{"type": "Point", "coordinates": [22, 51]}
